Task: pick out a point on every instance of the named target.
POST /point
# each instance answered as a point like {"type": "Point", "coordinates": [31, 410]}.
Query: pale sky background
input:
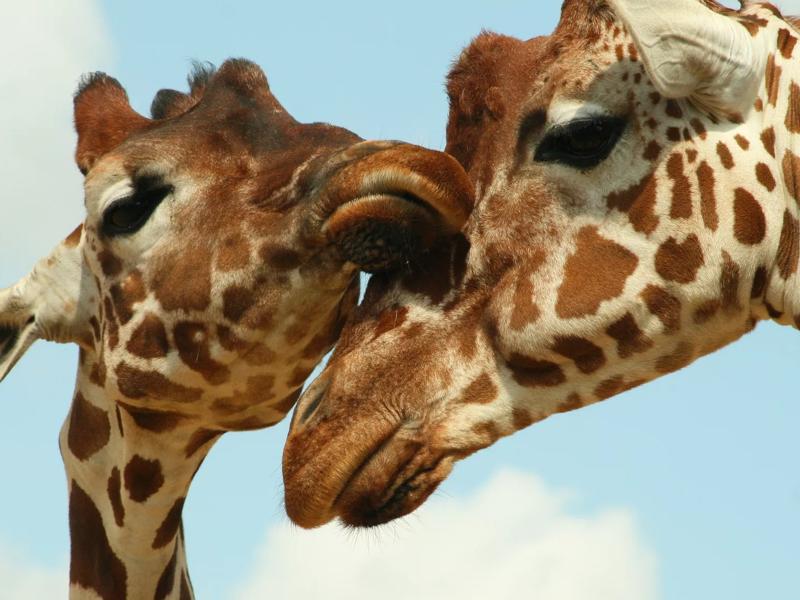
{"type": "Point", "coordinates": [684, 489]}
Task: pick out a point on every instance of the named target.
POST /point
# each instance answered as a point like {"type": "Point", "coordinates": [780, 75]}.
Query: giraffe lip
{"type": "Point", "coordinates": [377, 492]}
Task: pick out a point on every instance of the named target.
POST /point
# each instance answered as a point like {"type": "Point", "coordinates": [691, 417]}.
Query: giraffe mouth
{"type": "Point", "coordinates": [364, 480]}
{"type": "Point", "coordinates": [385, 488]}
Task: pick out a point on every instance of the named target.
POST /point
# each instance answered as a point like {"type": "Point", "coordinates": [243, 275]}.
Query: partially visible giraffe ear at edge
{"type": "Point", "coordinates": [394, 204]}
{"type": "Point", "coordinates": [48, 303]}
{"type": "Point", "coordinates": [691, 51]}
{"type": "Point", "coordinates": [17, 328]}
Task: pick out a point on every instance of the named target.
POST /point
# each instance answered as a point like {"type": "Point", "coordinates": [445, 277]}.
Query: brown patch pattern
{"type": "Point", "coordinates": [679, 262]}
{"type": "Point", "coordinates": [143, 478]}
{"type": "Point", "coordinates": [89, 428]}
{"type": "Point", "coordinates": [585, 286]}
{"type": "Point", "coordinates": [750, 225]}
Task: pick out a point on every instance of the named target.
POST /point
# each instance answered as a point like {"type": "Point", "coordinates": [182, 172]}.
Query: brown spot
{"type": "Point", "coordinates": [706, 311]}
{"type": "Point", "coordinates": [792, 113]}
{"type": "Point", "coordinates": [199, 438]}
{"type": "Point", "coordinates": [729, 284]}
{"type": "Point", "coordinates": [725, 155]}
{"type": "Point", "coordinates": [233, 252]}
{"type": "Point", "coordinates": [149, 339]}
{"type": "Point", "coordinates": [127, 293]}
{"type": "Point", "coordinates": [530, 372]}
{"type": "Point", "coordinates": [143, 478]}
{"type": "Point", "coordinates": [587, 356]}
{"type": "Point", "coordinates": [630, 338]}
{"type": "Point", "coordinates": [772, 79]}
{"type": "Point", "coordinates": [93, 564]}
{"type": "Point", "coordinates": [169, 526]}
{"type": "Point", "coordinates": [236, 300]}
{"type": "Point", "coordinates": [98, 373]}
{"type": "Point", "coordinates": [786, 43]}
{"type": "Point", "coordinates": [788, 246]}
{"type": "Point", "coordinates": [610, 387]}
{"type": "Point", "coordinates": [119, 421]}
{"type": "Point", "coordinates": [481, 391]}
{"type": "Point", "coordinates": [191, 339]}
{"type": "Point", "coordinates": [280, 258]}
{"type": "Point", "coordinates": [229, 340]}
{"type": "Point", "coordinates": [759, 283]}
{"type": "Point", "coordinates": [759, 105]}
{"type": "Point", "coordinates": [186, 588]}
{"type": "Point", "coordinates": [673, 109]}
{"type": "Point", "coordinates": [680, 357]}
{"type": "Point", "coordinates": [525, 311]}
{"type": "Point", "coordinates": [673, 134]}
{"type": "Point", "coordinates": [750, 225]}
{"type": "Point", "coordinates": [765, 177]}
{"type": "Point", "coordinates": [768, 139]}
{"type": "Point", "coordinates": [664, 306]}
{"type": "Point", "coordinates": [573, 402]}
{"type": "Point", "coordinates": [744, 144]}
{"type": "Point", "coordinates": [586, 285]}
{"type": "Point", "coordinates": [74, 238]}
{"type": "Point", "coordinates": [521, 418]}
{"type": "Point", "coordinates": [285, 404]}
{"type": "Point", "coordinates": [652, 151]}
{"type": "Point", "coordinates": [89, 428]}
{"type": "Point", "coordinates": [109, 263]}
{"type": "Point", "coordinates": [708, 197]}
{"type": "Point", "coordinates": [135, 383]}
{"type": "Point", "coordinates": [679, 262]}
{"type": "Point", "coordinates": [691, 155]}
{"type": "Point", "coordinates": [110, 322]}
{"type": "Point", "coordinates": [791, 174]}
{"type": "Point", "coordinates": [487, 431]}
{"type": "Point", "coordinates": [114, 489]}
{"type": "Point", "coordinates": [153, 420]}
{"type": "Point", "coordinates": [619, 49]}
{"type": "Point", "coordinates": [167, 580]}
{"type": "Point", "coordinates": [182, 280]}
{"type": "Point", "coordinates": [639, 202]}
{"type": "Point", "coordinates": [699, 128]}
{"type": "Point", "coordinates": [681, 190]}
{"type": "Point", "coordinates": [633, 53]}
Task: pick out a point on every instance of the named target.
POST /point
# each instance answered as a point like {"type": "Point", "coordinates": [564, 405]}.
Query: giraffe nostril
{"type": "Point", "coordinates": [310, 401]}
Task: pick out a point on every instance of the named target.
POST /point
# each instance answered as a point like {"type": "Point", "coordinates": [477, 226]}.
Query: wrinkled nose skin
{"type": "Point", "coordinates": [343, 458]}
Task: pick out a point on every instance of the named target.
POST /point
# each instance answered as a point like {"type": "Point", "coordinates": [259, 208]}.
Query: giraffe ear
{"type": "Point", "coordinates": [692, 51]}
{"type": "Point", "coordinates": [392, 204]}
{"type": "Point", "coordinates": [17, 329]}
{"type": "Point", "coordinates": [48, 303]}
{"type": "Point", "coordinates": [103, 118]}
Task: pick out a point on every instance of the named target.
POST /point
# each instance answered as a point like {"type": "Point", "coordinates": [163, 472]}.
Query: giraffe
{"type": "Point", "coordinates": [216, 264]}
{"type": "Point", "coordinates": [637, 199]}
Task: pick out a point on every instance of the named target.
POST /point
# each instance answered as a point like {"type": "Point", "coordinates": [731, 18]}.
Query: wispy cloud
{"type": "Point", "coordinates": [20, 579]}
{"type": "Point", "coordinates": [515, 538]}
{"type": "Point", "coordinates": [46, 45]}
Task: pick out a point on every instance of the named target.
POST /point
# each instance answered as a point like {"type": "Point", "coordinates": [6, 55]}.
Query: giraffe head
{"type": "Point", "coordinates": [218, 256]}
{"type": "Point", "coordinates": [636, 208]}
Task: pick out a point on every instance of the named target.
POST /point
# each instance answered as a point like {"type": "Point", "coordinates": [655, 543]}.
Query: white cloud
{"type": "Point", "coordinates": [46, 45]}
{"type": "Point", "coordinates": [515, 538]}
{"type": "Point", "coordinates": [21, 580]}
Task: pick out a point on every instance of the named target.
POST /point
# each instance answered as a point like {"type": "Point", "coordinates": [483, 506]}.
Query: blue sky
{"type": "Point", "coordinates": [686, 488]}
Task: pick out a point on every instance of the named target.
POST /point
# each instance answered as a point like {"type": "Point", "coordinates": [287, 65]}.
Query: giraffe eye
{"type": "Point", "coordinates": [583, 143]}
{"type": "Point", "coordinates": [129, 214]}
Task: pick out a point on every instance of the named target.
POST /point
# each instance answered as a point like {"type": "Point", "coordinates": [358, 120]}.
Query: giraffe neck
{"type": "Point", "coordinates": [127, 485]}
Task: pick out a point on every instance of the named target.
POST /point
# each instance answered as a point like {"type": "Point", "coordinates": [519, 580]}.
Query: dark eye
{"type": "Point", "coordinates": [129, 214]}
{"type": "Point", "coordinates": [583, 143]}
